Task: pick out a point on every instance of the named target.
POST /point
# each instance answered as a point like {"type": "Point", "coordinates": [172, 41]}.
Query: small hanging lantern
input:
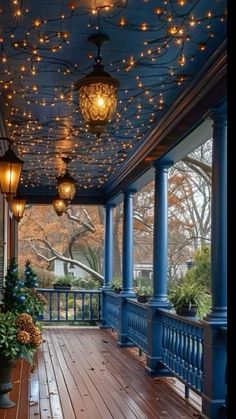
{"type": "Point", "coordinates": [66, 184]}
{"type": "Point", "coordinates": [59, 205]}
{"type": "Point", "coordinates": [97, 92]}
{"type": "Point", "coordinates": [10, 171]}
{"type": "Point", "coordinates": [18, 208]}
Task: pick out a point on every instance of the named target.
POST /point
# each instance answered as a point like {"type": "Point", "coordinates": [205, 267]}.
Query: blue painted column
{"type": "Point", "coordinates": [127, 267]}
{"type": "Point", "coordinates": [219, 218]}
{"type": "Point", "coordinates": [160, 264]}
{"type": "Point", "coordinates": [214, 388]}
{"type": "Point", "coordinates": [160, 239]}
{"type": "Point", "coordinates": [108, 259]}
{"type": "Point", "coordinates": [127, 252]}
{"type": "Point", "coordinates": [108, 246]}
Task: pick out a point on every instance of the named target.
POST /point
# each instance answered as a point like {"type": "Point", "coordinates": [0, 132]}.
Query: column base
{"type": "Point", "coordinates": [124, 342]}
{"type": "Point", "coordinates": [127, 294]}
{"type": "Point", "coordinates": [156, 368]}
{"type": "Point", "coordinates": [222, 414]}
{"type": "Point", "coordinates": [216, 317]}
{"type": "Point", "coordinates": [104, 325]}
{"type": "Point", "coordinates": [106, 288]}
{"type": "Point", "coordinates": [213, 408]}
{"type": "Point", "coordinates": [153, 302]}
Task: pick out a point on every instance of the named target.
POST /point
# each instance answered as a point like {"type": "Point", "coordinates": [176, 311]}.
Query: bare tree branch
{"type": "Point", "coordinates": [72, 217]}
{"type": "Point", "coordinates": [59, 256]}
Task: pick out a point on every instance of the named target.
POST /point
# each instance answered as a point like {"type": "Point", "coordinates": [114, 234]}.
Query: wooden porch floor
{"type": "Point", "coordinates": [81, 373]}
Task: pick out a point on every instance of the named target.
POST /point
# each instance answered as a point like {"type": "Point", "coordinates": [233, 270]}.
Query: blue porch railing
{"type": "Point", "coordinates": [72, 305]}
{"type": "Point", "coordinates": [182, 349]}
{"type": "Point", "coordinates": [112, 310]}
{"type": "Point", "coordinates": [137, 324]}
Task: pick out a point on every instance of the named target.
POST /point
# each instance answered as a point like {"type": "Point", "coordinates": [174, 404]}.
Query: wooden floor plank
{"type": "Point", "coordinates": [52, 385]}
{"type": "Point", "coordinates": [34, 391]}
{"type": "Point", "coordinates": [44, 402]}
{"type": "Point", "coordinates": [23, 406]}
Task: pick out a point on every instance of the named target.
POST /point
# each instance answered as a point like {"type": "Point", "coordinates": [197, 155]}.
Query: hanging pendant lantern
{"type": "Point", "coordinates": [59, 205]}
{"type": "Point", "coordinates": [18, 208]}
{"type": "Point", "coordinates": [66, 184]}
{"type": "Point", "coordinates": [10, 171]}
{"type": "Point", "coordinates": [97, 92]}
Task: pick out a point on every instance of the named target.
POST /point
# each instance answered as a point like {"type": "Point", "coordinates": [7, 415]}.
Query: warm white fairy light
{"type": "Point", "coordinates": [146, 107]}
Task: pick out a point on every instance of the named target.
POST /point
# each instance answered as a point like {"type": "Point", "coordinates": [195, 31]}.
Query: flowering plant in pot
{"type": "Point", "coordinates": [189, 298]}
{"type": "Point", "coordinates": [20, 337]}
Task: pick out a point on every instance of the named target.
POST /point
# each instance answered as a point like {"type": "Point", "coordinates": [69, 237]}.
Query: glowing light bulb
{"type": "Point", "coordinates": [100, 102]}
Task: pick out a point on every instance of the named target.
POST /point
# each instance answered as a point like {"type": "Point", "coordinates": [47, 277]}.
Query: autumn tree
{"type": "Point", "coordinates": [51, 237]}
{"type": "Point", "coordinates": [44, 237]}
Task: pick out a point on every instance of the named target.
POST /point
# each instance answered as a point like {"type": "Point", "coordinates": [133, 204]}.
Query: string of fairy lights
{"type": "Point", "coordinates": [156, 49]}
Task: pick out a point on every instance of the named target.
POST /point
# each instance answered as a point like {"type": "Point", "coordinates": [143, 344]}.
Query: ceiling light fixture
{"type": "Point", "coordinates": [59, 205]}
{"type": "Point", "coordinates": [98, 92]}
{"type": "Point", "coordinates": [18, 208]}
{"type": "Point", "coordinates": [10, 171]}
{"type": "Point", "coordinates": [66, 184]}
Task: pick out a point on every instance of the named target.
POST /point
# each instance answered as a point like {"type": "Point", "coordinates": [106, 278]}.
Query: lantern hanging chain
{"type": "Point", "coordinates": [98, 58]}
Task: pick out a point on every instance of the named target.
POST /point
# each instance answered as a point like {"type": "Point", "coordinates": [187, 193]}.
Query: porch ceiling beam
{"type": "Point", "coordinates": [81, 199]}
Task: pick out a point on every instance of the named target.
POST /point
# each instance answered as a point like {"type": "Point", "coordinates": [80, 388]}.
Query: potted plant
{"type": "Point", "coordinates": [20, 337]}
{"type": "Point", "coordinates": [116, 285]}
{"type": "Point", "coordinates": [62, 283]}
{"type": "Point", "coordinates": [143, 293]}
{"type": "Point", "coordinates": [189, 298]}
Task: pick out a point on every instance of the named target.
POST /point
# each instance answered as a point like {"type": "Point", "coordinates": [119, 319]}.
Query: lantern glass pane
{"type": "Point", "coordinates": [59, 205]}
{"type": "Point", "coordinates": [66, 190]}
{"type": "Point", "coordinates": [98, 102]}
{"type": "Point", "coordinates": [9, 177]}
{"type": "Point", "coordinates": [18, 208]}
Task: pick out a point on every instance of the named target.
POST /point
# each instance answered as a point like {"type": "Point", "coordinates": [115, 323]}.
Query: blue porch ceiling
{"type": "Point", "coordinates": [156, 50]}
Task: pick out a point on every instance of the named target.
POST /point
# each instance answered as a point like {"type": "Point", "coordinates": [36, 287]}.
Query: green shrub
{"type": "Point", "coordinates": [85, 283]}
{"type": "Point", "coordinates": [45, 277]}
{"type": "Point", "coordinates": [201, 268]}
{"type": "Point", "coordinates": [63, 280]}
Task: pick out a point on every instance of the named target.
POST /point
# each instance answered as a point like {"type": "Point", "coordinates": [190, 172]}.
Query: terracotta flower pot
{"type": "Point", "coordinates": [6, 366]}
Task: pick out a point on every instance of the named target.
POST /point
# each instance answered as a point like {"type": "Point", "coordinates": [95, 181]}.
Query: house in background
{"type": "Point", "coordinates": [73, 270]}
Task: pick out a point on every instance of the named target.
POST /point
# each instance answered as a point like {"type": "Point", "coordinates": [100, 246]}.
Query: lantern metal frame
{"type": "Point", "coordinates": [56, 208]}
{"type": "Point", "coordinates": [96, 83]}
{"type": "Point", "coordinates": [18, 207]}
{"type": "Point", "coordinates": [8, 163]}
{"type": "Point", "coordinates": [66, 179]}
